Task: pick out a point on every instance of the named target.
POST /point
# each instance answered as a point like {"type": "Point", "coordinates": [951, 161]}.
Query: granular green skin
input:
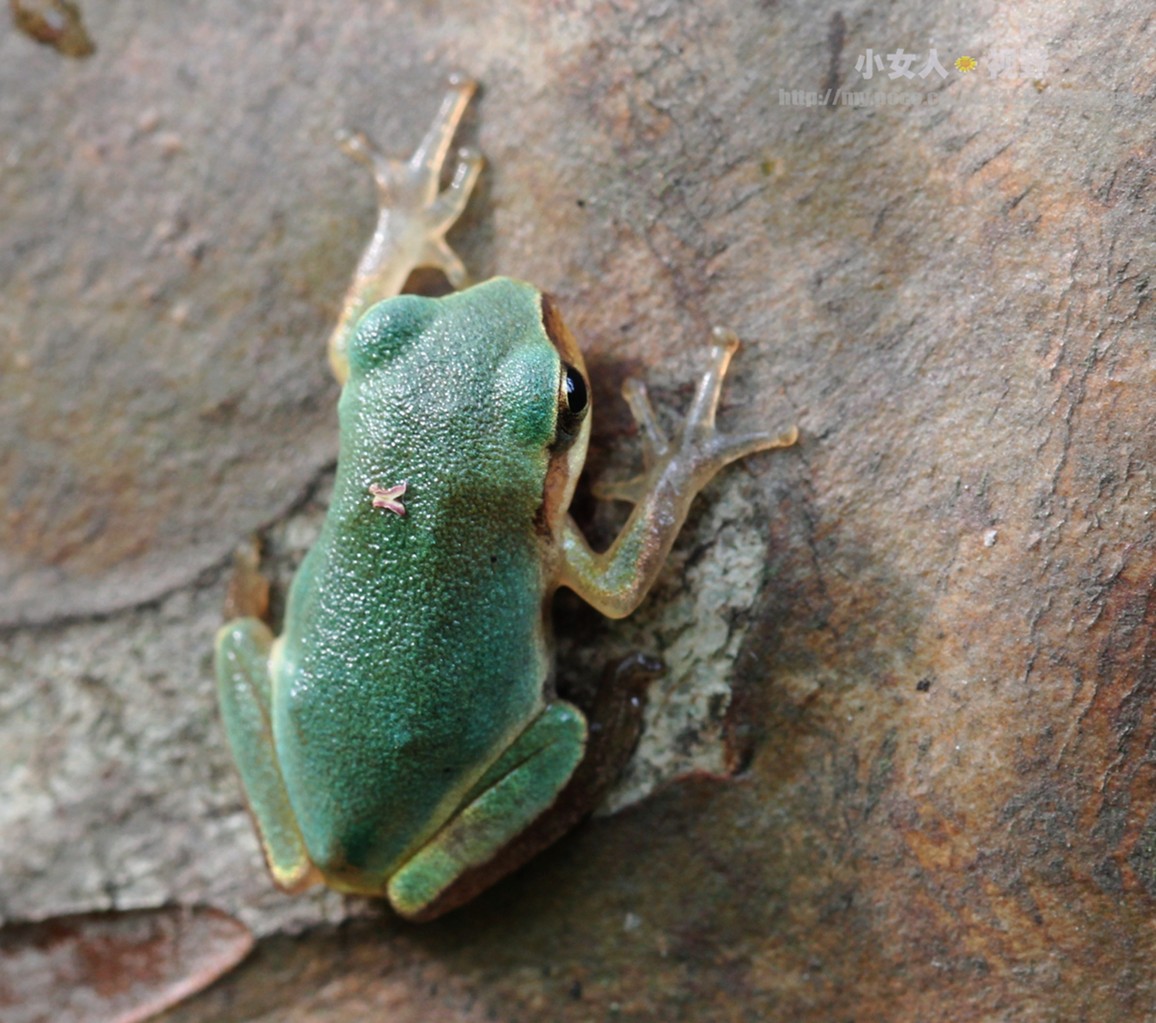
{"type": "Point", "coordinates": [422, 634]}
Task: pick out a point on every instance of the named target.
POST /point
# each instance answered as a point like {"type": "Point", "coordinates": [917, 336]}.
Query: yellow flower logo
{"type": "Point", "coordinates": [965, 64]}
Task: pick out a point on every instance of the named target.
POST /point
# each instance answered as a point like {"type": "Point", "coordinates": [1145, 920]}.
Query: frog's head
{"type": "Point", "coordinates": [488, 382]}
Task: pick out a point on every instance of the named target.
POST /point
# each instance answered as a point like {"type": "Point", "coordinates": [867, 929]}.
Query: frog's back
{"type": "Point", "coordinates": [414, 650]}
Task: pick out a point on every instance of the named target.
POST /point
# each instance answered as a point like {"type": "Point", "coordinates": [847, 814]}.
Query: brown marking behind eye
{"type": "Point", "coordinates": [559, 333]}
{"type": "Point", "coordinates": [567, 462]}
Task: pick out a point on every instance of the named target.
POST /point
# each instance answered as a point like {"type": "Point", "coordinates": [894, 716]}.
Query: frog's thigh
{"type": "Point", "coordinates": [244, 688]}
{"type": "Point", "coordinates": [518, 788]}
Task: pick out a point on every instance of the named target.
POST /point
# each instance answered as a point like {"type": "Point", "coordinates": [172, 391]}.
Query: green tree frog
{"type": "Point", "coordinates": [401, 737]}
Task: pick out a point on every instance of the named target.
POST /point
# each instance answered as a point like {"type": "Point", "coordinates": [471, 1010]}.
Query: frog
{"type": "Point", "coordinates": [402, 737]}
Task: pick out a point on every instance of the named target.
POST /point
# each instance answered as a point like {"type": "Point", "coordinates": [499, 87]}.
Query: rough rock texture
{"type": "Point", "coordinates": [924, 632]}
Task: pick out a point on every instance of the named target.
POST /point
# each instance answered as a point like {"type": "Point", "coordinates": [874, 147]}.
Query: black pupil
{"type": "Point", "coordinates": [575, 388]}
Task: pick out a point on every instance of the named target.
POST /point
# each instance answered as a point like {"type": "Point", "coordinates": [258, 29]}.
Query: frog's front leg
{"type": "Point", "coordinates": [616, 581]}
{"type": "Point", "coordinates": [243, 684]}
{"type": "Point", "coordinates": [413, 217]}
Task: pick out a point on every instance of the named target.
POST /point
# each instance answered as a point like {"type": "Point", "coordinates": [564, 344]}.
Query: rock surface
{"type": "Point", "coordinates": [924, 633]}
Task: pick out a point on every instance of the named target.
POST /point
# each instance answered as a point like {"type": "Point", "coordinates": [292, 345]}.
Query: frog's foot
{"type": "Point", "coordinates": [616, 580]}
{"type": "Point", "coordinates": [701, 450]}
{"type": "Point", "coordinates": [248, 592]}
{"type": "Point", "coordinates": [243, 650]}
{"type": "Point", "coordinates": [613, 727]}
{"type": "Point", "coordinates": [413, 217]}
{"type": "Point", "coordinates": [408, 190]}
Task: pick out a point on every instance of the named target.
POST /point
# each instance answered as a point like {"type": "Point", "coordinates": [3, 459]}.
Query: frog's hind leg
{"type": "Point", "coordinates": [518, 788]}
{"type": "Point", "coordinates": [439, 879]}
{"type": "Point", "coordinates": [243, 684]}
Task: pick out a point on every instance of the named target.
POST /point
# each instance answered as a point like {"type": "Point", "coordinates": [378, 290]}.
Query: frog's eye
{"type": "Point", "coordinates": [574, 393]}
{"type": "Point", "coordinates": [573, 403]}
